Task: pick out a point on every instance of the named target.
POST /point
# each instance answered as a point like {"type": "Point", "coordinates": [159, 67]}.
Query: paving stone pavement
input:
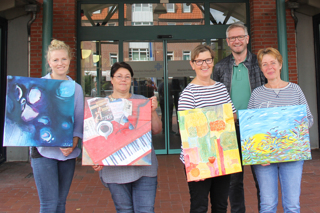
{"type": "Point", "coordinates": [18, 192]}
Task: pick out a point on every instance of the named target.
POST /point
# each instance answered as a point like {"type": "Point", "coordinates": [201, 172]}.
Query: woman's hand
{"type": "Point", "coordinates": [67, 151]}
{"type": "Point", "coordinates": [267, 164]}
{"type": "Point", "coordinates": [154, 103]}
{"type": "Point", "coordinates": [97, 168]}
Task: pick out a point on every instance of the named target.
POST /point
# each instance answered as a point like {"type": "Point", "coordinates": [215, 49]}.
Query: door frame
{"type": "Point", "coordinates": [316, 33]}
{"type": "Point", "coordinates": [3, 80]}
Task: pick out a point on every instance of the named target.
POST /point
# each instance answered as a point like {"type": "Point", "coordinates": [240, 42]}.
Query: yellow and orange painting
{"type": "Point", "coordinates": [209, 142]}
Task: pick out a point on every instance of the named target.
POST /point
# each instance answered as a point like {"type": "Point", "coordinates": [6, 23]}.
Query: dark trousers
{"type": "Point", "coordinates": [236, 192]}
{"type": "Point", "coordinates": [216, 187]}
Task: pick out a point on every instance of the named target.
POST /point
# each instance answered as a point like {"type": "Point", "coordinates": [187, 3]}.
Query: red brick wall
{"type": "Point", "coordinates": [64, 28]}
{"type": "Point", "coordinates": [263, 20]}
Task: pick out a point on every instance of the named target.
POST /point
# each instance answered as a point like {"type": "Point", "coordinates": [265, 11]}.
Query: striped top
{"type": "Point", "coordinates": [196, 96]}
{"type": "Point", "coordinates": [263, 97]}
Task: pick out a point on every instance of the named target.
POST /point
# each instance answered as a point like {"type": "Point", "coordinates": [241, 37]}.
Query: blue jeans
{"type": "Point", "coordinates": [289, 174]}
{"type": "Point", "coordinates": [53, 180]}
{"type": "Point", "coordinates": [137, 196]}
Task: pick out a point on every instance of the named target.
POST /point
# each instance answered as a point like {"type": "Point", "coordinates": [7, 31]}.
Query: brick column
{"type": "Point", "coordinates": [263, 21]}
{"type": "Point", "coordinates": [64, 28]}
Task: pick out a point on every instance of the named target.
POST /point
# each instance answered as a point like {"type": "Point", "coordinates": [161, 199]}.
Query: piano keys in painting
{"type": "Point", "coordinates": [117, 133]}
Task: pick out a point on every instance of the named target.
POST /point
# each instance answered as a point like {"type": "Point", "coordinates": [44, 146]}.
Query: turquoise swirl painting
{"type": "Point", "coordinates": [39, 112]}
{"type": "Point", "coordinates": [272, 135]}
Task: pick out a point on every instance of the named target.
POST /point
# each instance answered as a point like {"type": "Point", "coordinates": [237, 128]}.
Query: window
{"type": "Point", "coordinates": [170, 56]}
{"type": "Point", "coordinates": [186, 55]}
{"type": "Point", "coordinates": [136, 54]}
{"type": "Point", "coordinates": [142, 7]}
{"type": "Point", "coordinates": [171, 23]}
{"type": "Point", "coordinates": [113, 58]}
{"type": "Point", "coordinates": [170, 8]}
{"type": "Point", "coordinates": [186, 8]}
{"type": "Point", "coordinates": [95, 59]}
{"type": "Point", "coordinates": [97, 12]}
{"type": "Point", "coordinates": [142, 23]}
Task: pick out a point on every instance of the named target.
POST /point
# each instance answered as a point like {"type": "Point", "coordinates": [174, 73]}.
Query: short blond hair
{"type": "Point", "coordinates": [200, 49]}
{"type": "Point", "coordinates": [236, 25]}
{"type": "Point", "coordinates": [269, 51]}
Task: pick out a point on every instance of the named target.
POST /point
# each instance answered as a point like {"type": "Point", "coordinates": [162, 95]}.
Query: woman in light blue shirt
{"type": "Point", "coordinates": [53, 167]}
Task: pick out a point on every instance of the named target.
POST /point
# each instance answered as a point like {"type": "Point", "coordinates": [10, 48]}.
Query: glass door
{"type": "Point", "coordinates": [163, 69]}
{"type": "Point", "coordinates": [156, 40]}
{"type": "Point", "coordinates": [147, 61]}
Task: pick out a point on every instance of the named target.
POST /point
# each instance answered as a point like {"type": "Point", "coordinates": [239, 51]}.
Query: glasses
{"type": "Point", "coordinates": [200, 62]}
{"type": "Point", "coordinates": [119, 78]}
{"type": "Point", "coordinates": [240, 38]}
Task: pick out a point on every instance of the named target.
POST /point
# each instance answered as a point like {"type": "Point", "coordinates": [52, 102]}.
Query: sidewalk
{"type": "Point", "coordinates": [87, 195]}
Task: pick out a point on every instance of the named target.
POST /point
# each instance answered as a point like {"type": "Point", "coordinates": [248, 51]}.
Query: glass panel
{"type": "Point", "coordinates": [97, 59]}
{"type": "Point", "coordinates": [180, 74]}
{"type": "Point", "coordinates": [148, 75]}
{"type": "Point", "coordinates": [220, 48]}
{"type": "Point", "coordinates": [164, 14]}
{"type": "Point", "coordinates": [227, 13]}
{"type": "Point", "coordinates": [99, 15]}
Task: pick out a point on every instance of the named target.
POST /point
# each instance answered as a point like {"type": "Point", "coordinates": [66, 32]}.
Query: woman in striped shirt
{"type": "Point", "coordinates": [278, 93]}
{"type": "Point", "coordinates": [204, 92]}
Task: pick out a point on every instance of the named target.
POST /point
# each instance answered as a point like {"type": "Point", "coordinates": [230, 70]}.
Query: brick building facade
{"type": "Point", "coordinates": [301, 42]}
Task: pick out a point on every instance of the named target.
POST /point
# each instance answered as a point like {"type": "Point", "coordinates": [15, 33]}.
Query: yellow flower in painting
{"type": "Point", "coordinates": [196, 121]}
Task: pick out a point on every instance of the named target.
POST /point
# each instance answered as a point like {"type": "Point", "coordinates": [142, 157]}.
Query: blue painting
{"type": "Point", "coordinates": [39, 112]}
{"type": "Point", "coordinates": [272, 135]}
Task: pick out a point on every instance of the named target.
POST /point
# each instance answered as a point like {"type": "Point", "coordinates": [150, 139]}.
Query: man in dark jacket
{"type": "Point", "coordinates": [241, 74]}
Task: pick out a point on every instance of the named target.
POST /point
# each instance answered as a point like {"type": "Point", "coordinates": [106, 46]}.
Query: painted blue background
{"type": "Point", "coordinates": [39, 112]}
{"type": "Point", "coordinates": [254, 121]}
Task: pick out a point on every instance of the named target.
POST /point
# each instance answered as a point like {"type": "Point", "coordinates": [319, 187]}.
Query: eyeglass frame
{"type": "Point", "coordinates": [237, 37]}
{"type": "Point", "coordinates": [205, 60]}
{"type": "Point", "coordinates": [126, 78]}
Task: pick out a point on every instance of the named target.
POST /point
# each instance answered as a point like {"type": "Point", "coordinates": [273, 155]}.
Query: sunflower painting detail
{"type": "Point", "coordinates": [272, 135]}
{"type": "Point", "coordinates": [209, 142]}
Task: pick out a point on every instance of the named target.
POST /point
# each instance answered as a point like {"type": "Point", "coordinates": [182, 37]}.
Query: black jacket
{"type": "Point", "coordinates": [223, 70]}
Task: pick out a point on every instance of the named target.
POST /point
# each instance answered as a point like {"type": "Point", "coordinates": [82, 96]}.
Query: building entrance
{"type": "Point", "coordinates": [156, 40]}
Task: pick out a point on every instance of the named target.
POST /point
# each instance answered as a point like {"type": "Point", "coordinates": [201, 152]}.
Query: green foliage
{"type": "Point", "coordinates": [87, 84]}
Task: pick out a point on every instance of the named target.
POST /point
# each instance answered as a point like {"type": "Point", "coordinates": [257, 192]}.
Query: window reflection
{"type": "Point", "coordinates": [96, 60]}
{"type": "Point", "coordinates": [164, 14]}
{"type": "Point", "coordinates": [99, 15]}
{"type": "Point", "coordinates": [227, 13]}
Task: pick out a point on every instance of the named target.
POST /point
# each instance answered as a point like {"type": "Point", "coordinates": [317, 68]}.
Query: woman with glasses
{"type": "Point", "coordinates": [133, 188]}
{"type": "Point", "coordinates": [204, 92]}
